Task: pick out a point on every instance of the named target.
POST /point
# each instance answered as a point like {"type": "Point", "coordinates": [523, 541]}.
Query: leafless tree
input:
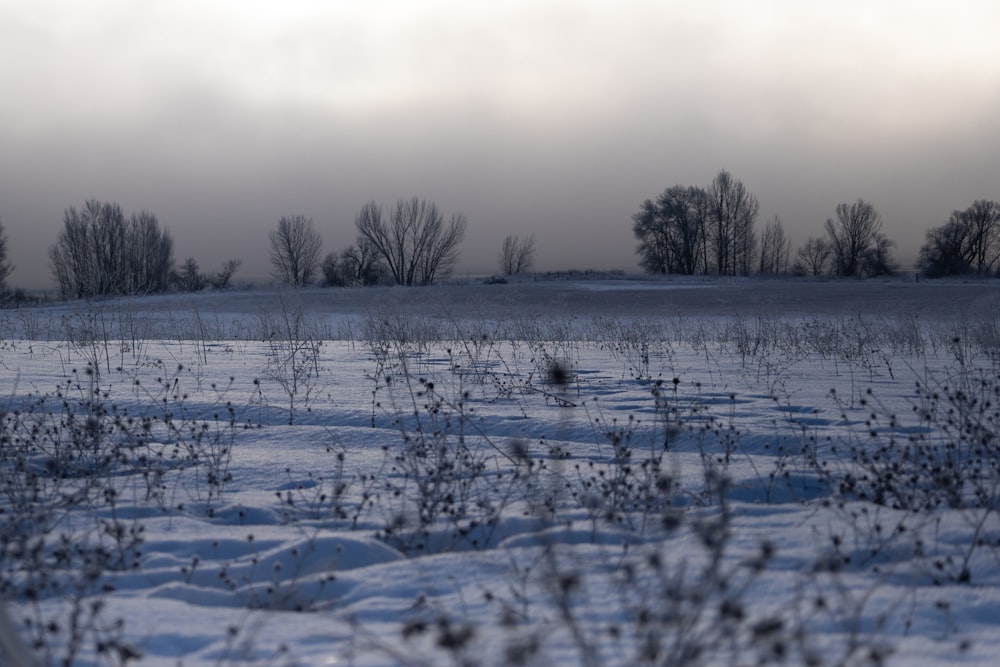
{"type": "Point", "coordinates": [733, 210]}
{"type": "Point", "coordinates": [775, 248]}
{"type": "Point", "coordinates": [100, 252]}
{"type": "Point", "coordinates": [354, 266]}
{"type": "Point", "coordinates": [944, 251]}
{"type": "Point", "coordinates": [189, 277]}
{"type": "Point", "coordinates": [672, 231]}
{"type": "Point", "coordinates": [855, 234]}
{"type": "Point", "coordinates": [813, 257]}
{"type": "Point", "coordinates": [149, 255]}
{"type": "Point", "coordinates": [416, 245]}
{"type": "Point", "coordinates": [295, 248]}
{"type": "Point", "coordinates": [362, 265]}
{"type": "Point", "coordinates": [5, 266]}
{"type": "Point", "coordinates": [652, 232]}
{"type": "Point", "coordinates": [224, 276]}
{"type": "Point", "coordinates": [686, 210]}
{"type": "Point", "coordinates": [877, 260]}
{"type": "Point", "coordinates": [969, 242]}
{"type": "Point", "coordinates": [517, 255]}
{"type": "Point", "coordinates": [982, 222]}
{"type": "Point", "coordinates": [333, 274]}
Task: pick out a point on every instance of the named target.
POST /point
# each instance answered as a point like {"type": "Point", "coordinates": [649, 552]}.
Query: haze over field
{"type": "Point", "coordinates": [552, 118]}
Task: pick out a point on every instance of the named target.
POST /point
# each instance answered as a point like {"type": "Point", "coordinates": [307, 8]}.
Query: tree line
{"type": "Point", "coordinates": [712, 230]}
{"type": "Point", "coordinates": [685, 230]}
{"type": "Point", "coordinates": [99, 251]}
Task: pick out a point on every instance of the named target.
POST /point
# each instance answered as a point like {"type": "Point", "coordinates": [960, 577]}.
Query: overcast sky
{"type": "Point", "coordinates": [545, 117]}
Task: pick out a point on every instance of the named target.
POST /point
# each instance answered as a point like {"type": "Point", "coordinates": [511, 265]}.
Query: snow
{"type": "Point", "coordinates": [389, 476]}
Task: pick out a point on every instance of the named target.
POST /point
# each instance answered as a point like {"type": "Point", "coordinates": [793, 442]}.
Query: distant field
{"type": "Point", "coordinates": [555, 298]}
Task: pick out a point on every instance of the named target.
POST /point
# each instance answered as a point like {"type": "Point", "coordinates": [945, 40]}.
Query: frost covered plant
{"type": "Point", "coordinates": [293, 354]}
{"type": "Point", "coordinates": [633, 486]}
{"type": "Point", "coordinates": [55, 460]}
{"type": "Point", "coordinates": [439, 473]}
{"type": "Point", "coordinates": [88, 334]}
{"type": "Point", "coordinates": [389, 332]}
{"type": "Point", "coordinates": [341, 495]}
{"type": "Point", "coordinates": [637, 343]}
{"type": "Point", "coordinates": [393, 340]}
{"type": "Point", "coordinates": [923, 484]}
{"type": "Point", "coordinates": [70, 464]}
{"type": "Point", "coordinates": [683, 599]}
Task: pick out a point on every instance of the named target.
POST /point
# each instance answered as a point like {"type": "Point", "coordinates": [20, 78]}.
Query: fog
{"type": "Point", "coordinates": [548, 118]}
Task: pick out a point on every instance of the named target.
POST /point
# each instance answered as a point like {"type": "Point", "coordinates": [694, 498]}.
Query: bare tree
{"type": "Point", "coordinates": [877, 260]}
{"type": "Point", "coordinates": [362, 265]}
{"type": "Point", "coordinates": [100, 252]}
{"type": "Point", "coordinates": [652, 232]}
{"type": "Point", "coordinates": [189, 277]}
{"type": "Point", "coordinates": [5, 266]}
{"type": "Point", "coordinates": [969, 242]}
{"type": "Point", "coordinates": [946, 249]}
{"type": "Point", "coordinates": [813, 257]}
{"type": "Point", "coordinates": [517, 255]}
{"type": "Point", "coordinates": [982, 222]}
{"type": "Point", "coordinates": [149, 255]}
{"type": "Point", "coordinates": [416, 245]}
{"type": "Point", "coordinates": [686, 212]}
{"type": "Point", "coordinates": [70, 256]}
{"type": "Point", "coordinates": [224, 276]}
{"type": "Point", "coordinates": [854, 235]}
{"type": "Point", "coordinates": [333, 274]}
{"type": "Point", "coordinates": [672, 231]}
{"type": "Point", "coordinates": [733, 211]}
{"type": "Point", "coordinates": [774, 248]}
{"type": "Point", "coordinates": [355, 266]}
{"type": "Point", "coordinates": [295, 248]}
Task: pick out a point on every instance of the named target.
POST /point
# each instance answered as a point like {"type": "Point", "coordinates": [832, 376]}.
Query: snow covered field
{"type": "Point", "coordinates": [583, 471]}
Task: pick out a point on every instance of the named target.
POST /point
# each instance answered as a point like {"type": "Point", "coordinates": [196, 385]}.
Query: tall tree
{"type": "Point", "coordinates": [224, 276]}
{"type": "Point", "coordinates": [354, 266]}
{"type": "Point", "coordinates": [418, 248]}
{"type": "Point", "coordinates": [946, 250]}
{"type": "Point", "coordinates": [653, 234]}
{"type": "Point", "coordinates": [295, 249]}
{"type": "Point", "coordinates": [774, 248]}
{"type": "Point", "coordinates": [5, 266]}
{"type": "Point", "coordinates": [855, 234]}
{"type": "Point", "coordinates": [149, 256]}
{"type": "Point", "coordinates": [969, 242]}
{"type": "Point", "coordinates": [878, 260]}
{"type": "Point", "coordinates": [516, 255]}
{"type": "Point", "coordinates": [813, 257]}
{"type": "Point", "coordinates": [99, 252]}
{"type": "Point", "coordinates": [672, 231]}
{"type": "Point", "coordinates": [733, 212]}
{"type": "Point", "coordinates": [362, 264]}
{"type": "Point", "coordinates": [982, 221]}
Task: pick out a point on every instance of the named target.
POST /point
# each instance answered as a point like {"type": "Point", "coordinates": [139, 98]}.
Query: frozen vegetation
{"type": "Point", "coordinates": [569, 472]}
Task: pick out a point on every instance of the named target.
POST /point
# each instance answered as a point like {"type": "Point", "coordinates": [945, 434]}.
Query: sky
{"type": "Point", "coordinates": [555, 118]}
